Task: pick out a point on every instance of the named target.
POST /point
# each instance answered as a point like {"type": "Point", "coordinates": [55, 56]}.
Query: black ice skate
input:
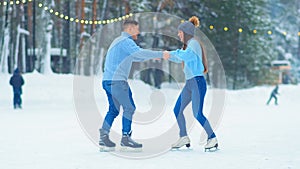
{"type": "Point", "coordinates": [105, 143]}
{"type": "Point", "coordinates": [129, 145]}
{"type": "Point", "coordinates": [211, 145]}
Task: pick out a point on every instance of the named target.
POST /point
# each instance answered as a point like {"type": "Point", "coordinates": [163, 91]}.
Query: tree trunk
{"type": "Point", "coordinates": [93, 28]}
{"type": "Point", "coordinates": [82, 13]}
{"type": "Point", "coordinates": [299, 31]}
{"type": "Point", "coordinates": [33, 30]}
{"type": "Point", "coordinates": [19, 21]}
{"type": "Point", "coordinates": [236, 61]}
{"type": "Point", "coordinates": [299, 45]}
{"type": "Point", "coordinates": [5, 47]}
{"type": "Point", "coordinates": [101, 50]}
{"type": "Point", "coordinates": [92, 49]}
{"type": "Point", "coordinates": [30, 62]}
{"type": "Point", "coordinates": [17, 47]}
{"type": "Point", "coordinates": [6, 51]}
{"type": "Point", "coordinates": [47, 59]}
{"type": "Point", "coordinates": [23, 42]}
{"type": "Point", "coordinates": [2, 29]}
{"type": "Point", "coordinates": [23, 46]}
{"type": "Point", "coordinates": [66, 35]}
{"type": "Point", "coordinates": [73, 36]}
{"type": "Point", "coordinates": [127, 6]}
{"type": "Point", "coordinates": [104, 7]}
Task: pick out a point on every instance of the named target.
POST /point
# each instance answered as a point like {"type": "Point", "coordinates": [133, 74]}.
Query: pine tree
{"type": "Point", "coordinates": [242, 52]}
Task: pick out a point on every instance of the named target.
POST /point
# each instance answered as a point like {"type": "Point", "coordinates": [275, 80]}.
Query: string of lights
{"type": "Point", "coordinates": [18, 2]}
{"type": "Point", "coordinates": [66, 17]}
{"type": "Point", "coordinates": [254, 31]}
{"type": "Point", "coordinates": [83, 21]}
{"type": "Point", "coordinates": [108, 21]}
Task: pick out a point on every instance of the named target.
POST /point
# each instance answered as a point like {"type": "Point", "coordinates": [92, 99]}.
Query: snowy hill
{"type": "Point", "coordinates": [47, 134]}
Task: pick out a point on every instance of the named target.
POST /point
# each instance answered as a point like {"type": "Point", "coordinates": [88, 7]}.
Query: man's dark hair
{"type": "Point", "coordinates": [129, 22]}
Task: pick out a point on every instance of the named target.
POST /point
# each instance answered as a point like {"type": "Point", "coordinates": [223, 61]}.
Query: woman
{"type": "Point", "coordinates": [195, 66]}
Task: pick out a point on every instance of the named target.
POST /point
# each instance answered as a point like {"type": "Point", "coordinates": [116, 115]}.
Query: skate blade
{"type": "Point", "coordinates": [181, 149]}
{"type": "Point", "coordinates": [130, 149]}
{"type": "Point", "coordinates": [106, 149]}
{"type": "Point", "coordinates": [212, 149]}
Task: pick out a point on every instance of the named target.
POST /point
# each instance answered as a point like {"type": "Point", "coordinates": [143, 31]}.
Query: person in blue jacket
{"type": "Point", "coordinates": [121, 53]}
{"type": "Point", "coordinates": [273, 95]}
{"type": "Point", "coordinates": [17, 81]}
{"type": "Point", "coordinates": [195, 66]}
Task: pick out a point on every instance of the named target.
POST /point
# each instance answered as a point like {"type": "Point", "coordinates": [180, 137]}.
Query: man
{"type": "Point", "coordinates": [273, 95]}
{"type": "Point", "coordinates": [121, 53]}
{"type": "Point", "coordinates": [17, 81]}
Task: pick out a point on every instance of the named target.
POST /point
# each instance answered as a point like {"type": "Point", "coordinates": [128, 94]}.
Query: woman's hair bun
{"type": "Point", "coordinates": [195, 21]}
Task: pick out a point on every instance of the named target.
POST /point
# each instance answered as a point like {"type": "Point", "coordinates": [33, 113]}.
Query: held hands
{"type": "Point", "coordinates": [166, 55]}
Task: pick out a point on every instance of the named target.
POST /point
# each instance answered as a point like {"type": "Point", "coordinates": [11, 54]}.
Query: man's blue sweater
{"type": "Point", "coordinates": [121, 53]}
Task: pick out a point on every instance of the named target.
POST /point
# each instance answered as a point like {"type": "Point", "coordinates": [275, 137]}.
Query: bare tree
{"type": "Point", "coordinates": [6, 41]}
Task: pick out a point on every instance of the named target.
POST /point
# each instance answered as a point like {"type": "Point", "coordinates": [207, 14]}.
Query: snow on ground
{"type": "Point", "coordinates": [46, 132]}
